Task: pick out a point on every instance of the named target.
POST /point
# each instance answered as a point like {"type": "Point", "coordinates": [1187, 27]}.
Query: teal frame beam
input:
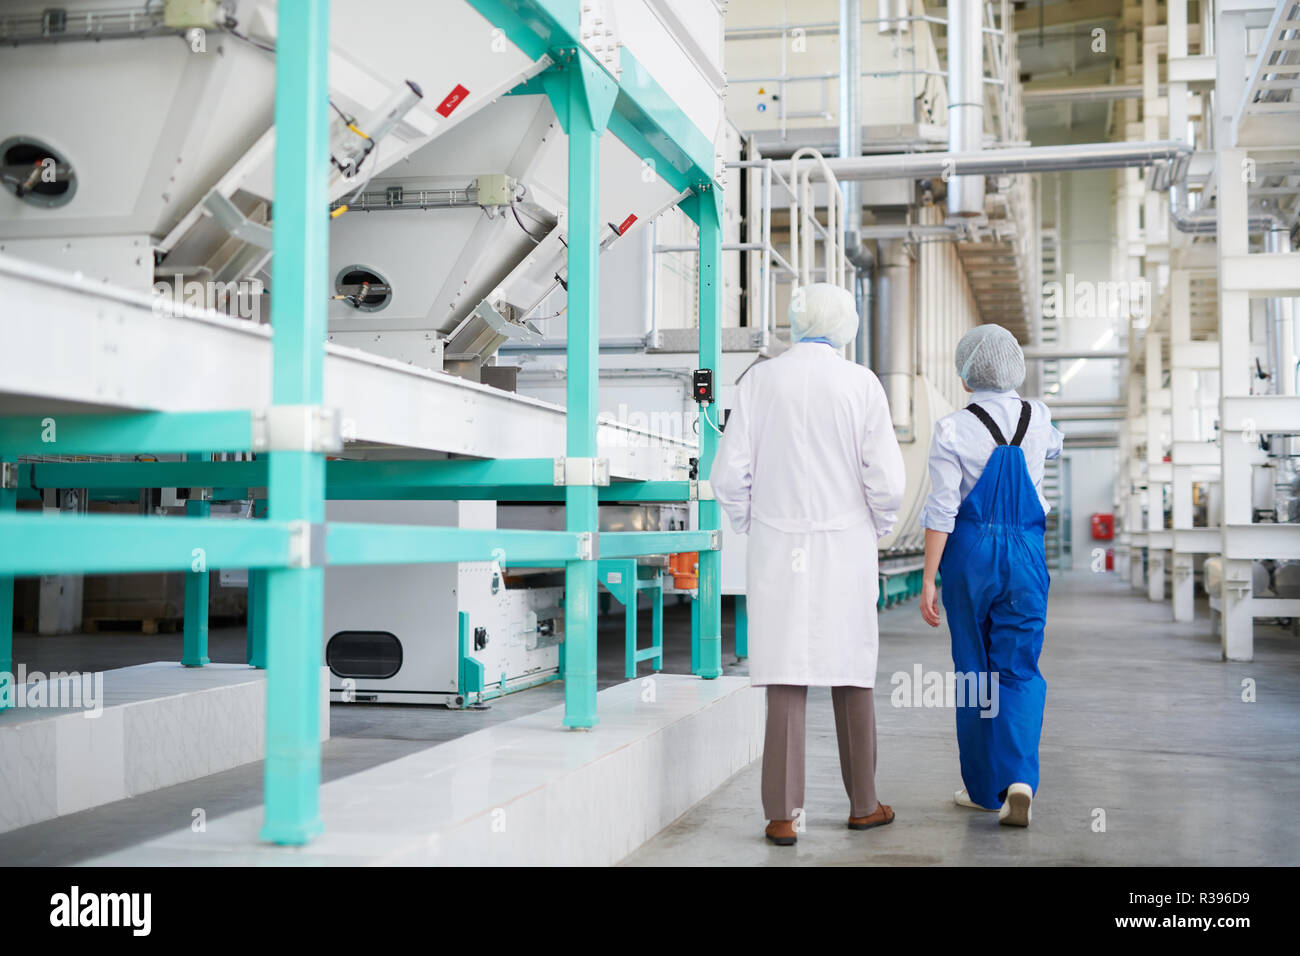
{"type": "Point", "coordinates": [524, 479]}
{"type": "Point", "coordinates": [583, 95]}
{"type": "Point", "coordinates": [296, 479]}
{"type": "Point", "coordinates": [359, 543]}
{"type": "Point", "coordinates": [706, 207]}
{"type": "Point", "coordinates": [159, 433]}
{"type": "Point", "coordinates": [234, 476]}
{"type": "Point", "coordinates": [535, 26]}
{"type": "Point", "coordinates": [630, 544]}
{"type": "Point", "coordinates": [114, 544]}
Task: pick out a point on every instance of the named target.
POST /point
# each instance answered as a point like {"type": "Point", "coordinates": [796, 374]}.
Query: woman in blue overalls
{"type": "Point", "coordinates": [984, 535]}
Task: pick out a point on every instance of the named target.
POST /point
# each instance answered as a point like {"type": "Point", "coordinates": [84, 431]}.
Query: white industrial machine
{"type": "Point", "coordinates": [453, 634]}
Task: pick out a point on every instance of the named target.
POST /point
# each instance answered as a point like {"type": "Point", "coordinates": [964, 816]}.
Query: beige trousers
{"type": "Point", "coordinates": [783, 749]}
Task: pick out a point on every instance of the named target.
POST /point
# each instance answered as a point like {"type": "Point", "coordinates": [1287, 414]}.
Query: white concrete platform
{"type": "Point", "coordinates": [158, 724]}
{"type": "Point", "coordinates": [525, 792]}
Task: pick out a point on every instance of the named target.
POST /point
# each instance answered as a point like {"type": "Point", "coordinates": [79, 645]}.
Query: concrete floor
{"type": "Point", "coordinates": [1144, 722]}
{"type": "Point", "coordinates": [362, 735]}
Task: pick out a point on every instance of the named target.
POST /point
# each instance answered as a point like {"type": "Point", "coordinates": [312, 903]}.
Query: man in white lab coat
{"type": "Point", "coordinates": [809, 467]}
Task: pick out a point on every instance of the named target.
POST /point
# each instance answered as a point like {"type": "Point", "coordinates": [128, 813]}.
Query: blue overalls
{"type": "Point", "coordinates": [995, 580]}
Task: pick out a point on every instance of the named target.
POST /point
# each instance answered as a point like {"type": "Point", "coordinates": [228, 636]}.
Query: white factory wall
{"type": "Point", "coordinates": [1086, 254]}
{"type": "Point", "coordinates": [1092, 491]}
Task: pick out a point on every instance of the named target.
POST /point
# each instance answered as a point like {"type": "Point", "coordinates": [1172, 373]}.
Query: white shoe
{"type": "Point", "coordinates": [962, 799]}
{"type": "Point", "coordinates": [1015, 811]}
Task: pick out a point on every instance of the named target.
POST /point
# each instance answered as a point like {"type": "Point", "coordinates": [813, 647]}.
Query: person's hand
{"type": "Point", "coordinates": [930, 603]}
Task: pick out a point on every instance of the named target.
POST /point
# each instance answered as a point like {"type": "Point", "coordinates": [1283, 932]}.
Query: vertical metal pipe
{"type": "Point", "coordinates": [1282, 357]}
{"type": "Point", "coordinates": [769, 324]}
{"type": "Point", "coordinates": [709, 620]}
{"type": "Point", "coordinates": [296, 479]}
{"type": "Point", "coordinates": [965, 101]}
{"type": "Point", "coordinates": [893, 352]}
{"type": "Point", "coordinates": [850, 98]}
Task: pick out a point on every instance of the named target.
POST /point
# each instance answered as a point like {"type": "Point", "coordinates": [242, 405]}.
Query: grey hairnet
{"type": "Point", "coordinates": [822, 310]}
{"type": "Point", "coordinates": [989, 357]}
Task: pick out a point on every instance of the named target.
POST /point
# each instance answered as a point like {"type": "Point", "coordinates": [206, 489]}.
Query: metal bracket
{"type": "Point", "coordinates": [588, 546]}
{"type": "Point", "coordinates": [714, 540]}
{"type": "Point", "coordinates": [200, 494]}
{"type": "Point", "coordinates": [581, 471]}
{"type": "Point", "coordinates": [1238, 586]}
{"type": "Point", "coordinates": [229, 218]}
{"type": "Point", "coordinates": [311, 428]}
{"type": "Point", "coordinates": [8, 475]}
{"type": "Point", "coordinates": [306, 544]}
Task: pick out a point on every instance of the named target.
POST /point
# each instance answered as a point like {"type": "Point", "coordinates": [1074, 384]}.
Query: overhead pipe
{"type": "Point", "coordinates": [1205, 222]}
{"type": "Point", "coordinates": [1035, 354]}
{"type": "Point", "coordinates": [1086, 94]}
{"type": "Point", "coordinates": [893, 16]}
{"type": "Point", "coordinates": [965, 102]}
{"type": "Point", "coordinates": [1170, 158]}
{"type": "Point", "coordinates": [850, 143]}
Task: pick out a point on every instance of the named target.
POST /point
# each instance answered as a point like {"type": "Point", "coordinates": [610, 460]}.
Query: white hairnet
{"type": "Point", "coordinates": [989, 357]}
{"type": "Point", "coordinates": [823, 311]}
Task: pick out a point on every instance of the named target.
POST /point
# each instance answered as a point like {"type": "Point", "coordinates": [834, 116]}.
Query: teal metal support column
{"type": "Point", "coordinates": [296, 479]}
{"type": "Point", "coordinates": [742, 628]}
{"type": "Point", "coordinates": [582, 94]}
{"type": "Point", "coordinates": [255, 635]}
{"type": "Point", "coordinates": [194, 652]}
{"type": "Point", "coordinates": [695, 632]}
{"type": "Point", "coordinates": [8, 503]}
{"type": "Point", "coordinates": [708, 206]}
{"type": "Point", "coordinates": [657, 620]}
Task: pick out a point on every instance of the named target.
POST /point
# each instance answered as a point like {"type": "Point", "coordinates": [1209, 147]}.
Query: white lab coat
{"type": "Point", "coordinates": [809, 467]}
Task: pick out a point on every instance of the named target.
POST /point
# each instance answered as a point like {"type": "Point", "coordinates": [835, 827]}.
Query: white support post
{"type": "Point", "coordinates": [1181, 429]}
{"type": "Point", "coordinates": [1236, 437]}
{"type": "Point", "coordinates": [1157, 398]}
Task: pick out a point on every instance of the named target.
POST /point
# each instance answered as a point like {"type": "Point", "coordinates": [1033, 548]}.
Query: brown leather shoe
{"type": "Point", "coordinates": [781, 832]}
{"type": "Point", "coordinates": [884, 814]}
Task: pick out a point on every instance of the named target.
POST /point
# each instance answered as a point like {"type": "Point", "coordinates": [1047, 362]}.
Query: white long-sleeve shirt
{"type": "Point", "coordinates": [962, 445]}
{"type": "Point", "coordinates": [809, 446]}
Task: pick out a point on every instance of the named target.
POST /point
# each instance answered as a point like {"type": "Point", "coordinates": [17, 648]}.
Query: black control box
{"type": "Point", "coordinates": [702, 385]}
